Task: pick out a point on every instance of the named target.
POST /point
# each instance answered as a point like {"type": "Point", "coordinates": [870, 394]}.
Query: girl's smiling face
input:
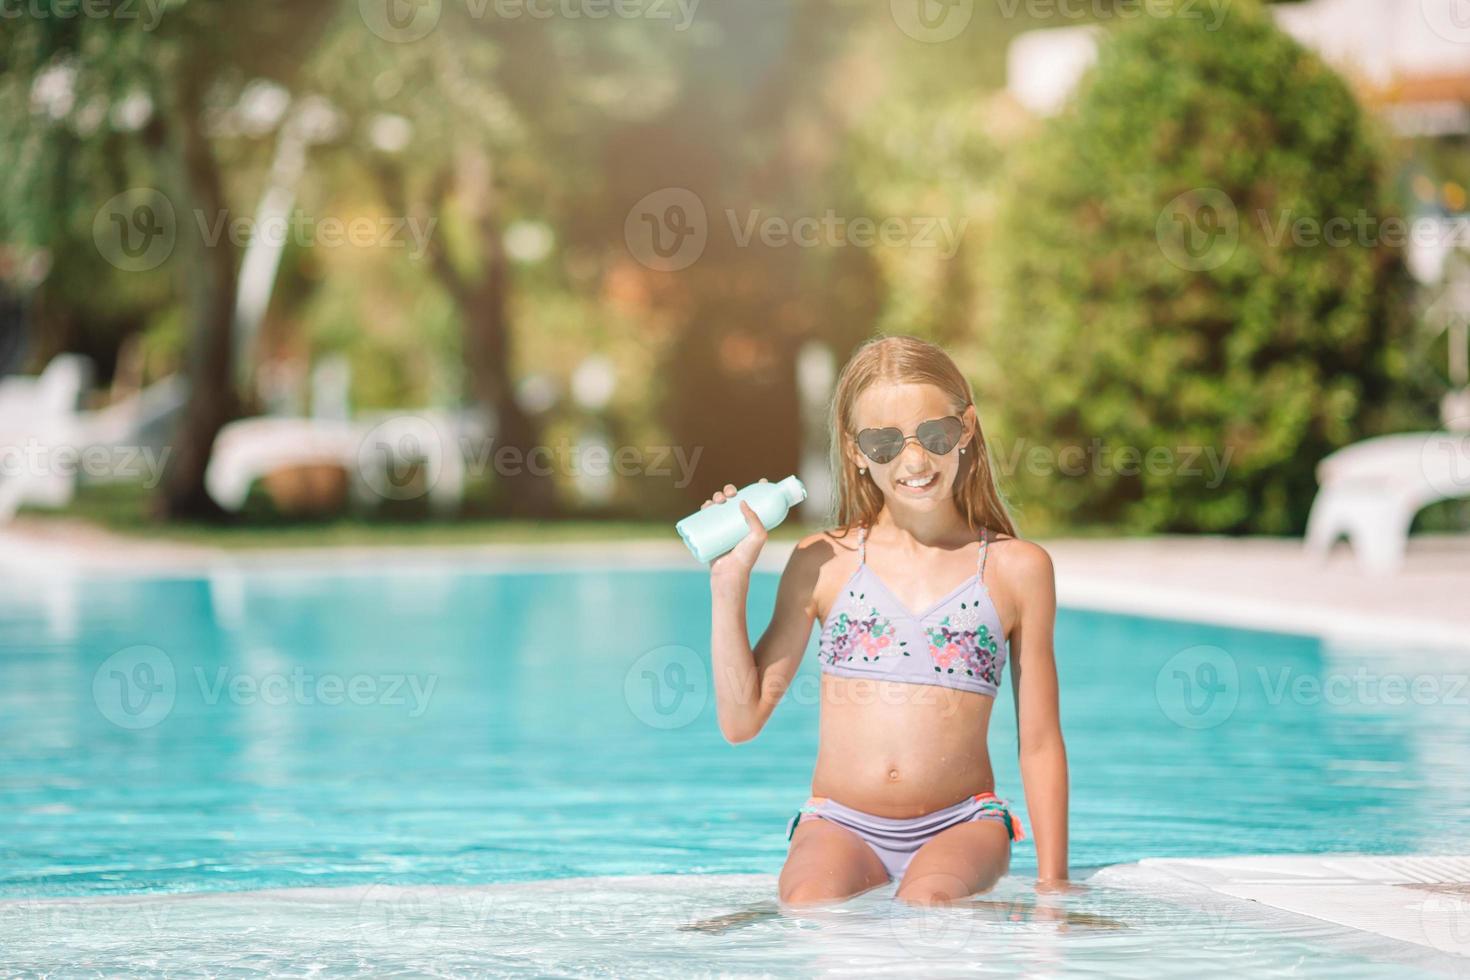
{"type": "Point", "coordinates": [916, 478]}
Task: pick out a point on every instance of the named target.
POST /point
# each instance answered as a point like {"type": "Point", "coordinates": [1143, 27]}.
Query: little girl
{"type": "Point", "coordinates": [923, 592]}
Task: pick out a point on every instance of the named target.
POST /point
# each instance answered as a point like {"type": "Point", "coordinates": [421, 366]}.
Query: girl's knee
{"type": "Point", "coordinates": [933, 889]}
{"type": "Point", "coordinates": [809, 891]}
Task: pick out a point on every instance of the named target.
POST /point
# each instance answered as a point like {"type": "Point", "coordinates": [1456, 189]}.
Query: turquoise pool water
{"type": "Point", "coordinates": [442, 726]}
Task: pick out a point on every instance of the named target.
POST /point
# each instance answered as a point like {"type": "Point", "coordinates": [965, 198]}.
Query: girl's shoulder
{"type": "Point", "coordinates": [823, 560]}
{"type": "Point", "coordinates": [829, 543]}
{"type": "Point", "coordinates": [1025, 562]}
{"type": "Point", "coordinates": [839, 536]}
{"type": "Point", "coordinates": [825, 553]}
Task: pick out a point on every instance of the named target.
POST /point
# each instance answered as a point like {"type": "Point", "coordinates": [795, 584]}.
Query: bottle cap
{"type": "Point", "coordinates": [794, 491]}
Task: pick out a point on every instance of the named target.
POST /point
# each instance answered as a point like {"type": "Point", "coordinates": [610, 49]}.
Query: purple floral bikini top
{"type": "Point", "coordinates": [957, 642]}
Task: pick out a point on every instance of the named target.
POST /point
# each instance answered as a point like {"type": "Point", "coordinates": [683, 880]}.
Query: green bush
{"type": "Point", "coordinates": [1151, 294]}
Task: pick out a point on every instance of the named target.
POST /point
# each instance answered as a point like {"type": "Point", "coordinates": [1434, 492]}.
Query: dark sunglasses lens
{"type": "Point", "coordinates": [880, 445]}
{"type": "Point", "coordinates": [940, 435]}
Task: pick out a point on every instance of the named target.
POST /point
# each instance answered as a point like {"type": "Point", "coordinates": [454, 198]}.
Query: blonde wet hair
{"type": "Point", "coordinates": [909, 360]}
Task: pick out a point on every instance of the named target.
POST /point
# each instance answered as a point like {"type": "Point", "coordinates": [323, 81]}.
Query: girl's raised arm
{"type": "Point", "coordinates": [749, 682]}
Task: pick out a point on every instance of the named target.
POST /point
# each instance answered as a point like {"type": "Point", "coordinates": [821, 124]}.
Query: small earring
{"type": "Point", "coordinates": [962, 450]}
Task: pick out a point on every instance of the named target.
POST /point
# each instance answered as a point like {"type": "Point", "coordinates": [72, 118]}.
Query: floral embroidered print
{"type": "Point", "coordinates": [972, 648]}
{"type": "Point", "coordinates": [867, 636]}
{"type": "Point", "coordinates": [877, 637]}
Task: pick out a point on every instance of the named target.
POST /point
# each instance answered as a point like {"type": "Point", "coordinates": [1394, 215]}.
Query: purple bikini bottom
{"type": "Point", "coordinates": [895, 840]}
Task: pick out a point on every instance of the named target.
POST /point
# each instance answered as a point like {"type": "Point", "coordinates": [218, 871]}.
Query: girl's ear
{"type": "Point", "coordinates": [972, 426]}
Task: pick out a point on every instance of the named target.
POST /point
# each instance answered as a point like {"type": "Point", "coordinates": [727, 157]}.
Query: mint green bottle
{"type": "Point", "coordinates": [716, 529]}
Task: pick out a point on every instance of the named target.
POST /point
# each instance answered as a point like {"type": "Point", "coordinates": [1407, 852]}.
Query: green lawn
{"type": "Point", "coordinates": [124, 510]}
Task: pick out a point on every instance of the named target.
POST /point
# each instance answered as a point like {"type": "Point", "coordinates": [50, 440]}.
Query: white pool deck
{"type": "Point", "coordinates": [1418, 902]}
{"type": "Point", "coordinates": [1269, 583]}
{"type": "Point", "coordinates": [1410, 909]}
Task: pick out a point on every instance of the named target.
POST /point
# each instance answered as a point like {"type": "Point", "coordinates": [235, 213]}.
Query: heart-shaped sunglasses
{"type": "Point", "coordinates": [938, 436]}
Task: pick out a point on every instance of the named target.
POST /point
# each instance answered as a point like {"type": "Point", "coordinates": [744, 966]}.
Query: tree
{"type": "Point", "coordinates": [476, 148]}
{"type": "Point", "coordinates": [108, 103]}
{"type": "Point", "coordinates": [1155, 297]}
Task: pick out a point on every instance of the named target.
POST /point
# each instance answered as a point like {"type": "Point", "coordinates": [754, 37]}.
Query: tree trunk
{"type": "Point", "coordinates": [208, 270]}
{"type": "Point", "coordinates": [523, 477]}
{"type": "Point", "coordinates": [524, 485]}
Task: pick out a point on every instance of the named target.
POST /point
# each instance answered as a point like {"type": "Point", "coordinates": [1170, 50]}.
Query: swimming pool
{"type": "Point", "coordinates": [407, 737]}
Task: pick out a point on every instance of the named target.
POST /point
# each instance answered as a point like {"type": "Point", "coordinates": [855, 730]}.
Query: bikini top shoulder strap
{"type": "Point", "coordinates": [862, 544]}
{"type": "Point", "coordinates": [984, 552]}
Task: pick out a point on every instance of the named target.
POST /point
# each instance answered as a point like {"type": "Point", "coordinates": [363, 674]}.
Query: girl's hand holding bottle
{"type": "Point", "coordinates": [730, 538]}
{"type": "Point", "coordinates": [738, 562]}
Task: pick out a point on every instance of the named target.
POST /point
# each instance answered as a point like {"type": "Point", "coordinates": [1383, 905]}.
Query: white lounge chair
{"type": "Point", "coordinates": [43, 437]}
{"type": "Point", "coordinates": [144, 418]}
{"type": "Point", "coordinates": [1370, 492]}
{"type": "Point", "coordinates": [373, 450]}
{"type": "Point", "coordinates": [247, 449]}
{"type": "Point", "coordinates": [38, 419]}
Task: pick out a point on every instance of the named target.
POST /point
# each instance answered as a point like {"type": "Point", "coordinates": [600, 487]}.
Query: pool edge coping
{"type": "Point", "coordinates": [1089, 591]}
{"type": "Point", "coordinates": [1208, 882]}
